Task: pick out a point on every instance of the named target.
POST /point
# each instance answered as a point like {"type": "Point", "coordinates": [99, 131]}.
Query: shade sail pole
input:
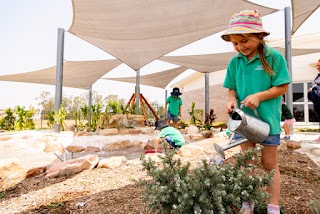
{"type": "Point", "coordinates": [137, 91]}
{"type": "Point", "coordinates": [59, 75]}
{"type": "Point", "coordinates": [89, 105]}
{"type": "Point", "coordinates": [287, 21]}
{"type": "Point", "coordinates": [206, 91]}
{"type": "Point", "coordinates": [288, 55]}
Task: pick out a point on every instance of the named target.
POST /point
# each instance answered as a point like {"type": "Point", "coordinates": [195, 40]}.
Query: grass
{"type": "Point", "coordinates": [308, 130]}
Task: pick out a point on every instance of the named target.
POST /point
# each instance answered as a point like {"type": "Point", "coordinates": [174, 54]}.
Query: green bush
{"type": "Point", "coordinates": [177, 188]}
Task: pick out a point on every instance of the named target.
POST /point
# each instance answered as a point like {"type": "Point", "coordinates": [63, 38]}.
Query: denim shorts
{"type": "Point", "coordinates": [171, 142]}
{"type": "Point", "coordinates": [272, 140]}
{"type": "Point", "coordinates": [174, 118]}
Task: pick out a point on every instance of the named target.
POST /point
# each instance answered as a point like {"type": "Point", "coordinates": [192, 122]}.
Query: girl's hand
{"type": "Point", "coordinates": [252, 101]}
{"type": "Point", "coordinates": [230, 106]}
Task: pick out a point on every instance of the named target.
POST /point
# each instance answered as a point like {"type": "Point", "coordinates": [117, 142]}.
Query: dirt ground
{"type": "Point", "coordinates": [113, 191]}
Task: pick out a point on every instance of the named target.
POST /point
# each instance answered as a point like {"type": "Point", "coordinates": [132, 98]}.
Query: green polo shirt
{"type": "Point", "coordinates": [175, 134]}
{"type": "Point", "coordinates": [174, 104]}
{"type": "Point", "coordinates": [248, 77]}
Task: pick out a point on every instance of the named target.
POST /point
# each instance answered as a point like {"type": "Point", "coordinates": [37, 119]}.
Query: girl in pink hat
{"type": "Point", "coordinates": [257, 77]}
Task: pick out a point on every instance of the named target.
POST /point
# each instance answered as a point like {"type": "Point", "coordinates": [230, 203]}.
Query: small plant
{"type": "Point", "coordinates": [2, 195]}
{"type": "Point", "coordinates": [55, 205]}
{"type": "Point", "coordinates": [196, 115]}
{"type": "Point", "coordinates": [178, 188]}
{"type": "Point", "coordinates": [59, 118]}
{"type": "Point", "coordinates": [315, 207]}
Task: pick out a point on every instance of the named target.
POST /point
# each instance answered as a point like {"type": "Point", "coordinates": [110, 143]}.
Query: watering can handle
{"type": "Point", "coordinates": [254, 110]}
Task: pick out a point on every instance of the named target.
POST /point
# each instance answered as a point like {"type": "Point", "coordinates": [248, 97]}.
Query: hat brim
{"type": "Point", "coordinates": [232, 31]}
{"type": "Point", "coordinates": [176, 93]}
{"type": "Point", "coordinates": [160, 127]}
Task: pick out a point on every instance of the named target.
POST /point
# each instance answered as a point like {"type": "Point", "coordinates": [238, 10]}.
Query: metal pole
{"type": "Point", "coordinates": [206, 84]}
{"type": "Point", "coordinates": [59, 75]}
{"type": "Point", "coordinates": [287, 21]}
{"type": "Point", "coordinates": [89, 106]}
{"type": "Point", "coordinates": [138, 91]}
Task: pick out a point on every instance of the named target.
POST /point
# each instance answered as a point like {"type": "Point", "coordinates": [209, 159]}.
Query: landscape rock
{"type": "Point", "coordinates": [206, 133]}
{"type": "Point", "coordinates": [92, 149]}
{"type": "Point", "coordinates": [112, 162]}
{"type": "Point", "coordinates": [11, 172]}
{"type": "Point", "coordinates": [73, 166]}
{"type": "Point", "coordinates": [5, 138]}
{"type": "Point", "coordinates": [36, 171]}
{"type": "Point", "coordinates": [192, 130]}
{"type": "Point", "coordinates": [117, 145]}
{"type": "Point", "coordinates": [107, 132]}
{"type": "Point", "coordinates": [291, 144]}
{"type": "Point", "coordinates": [75, 149]}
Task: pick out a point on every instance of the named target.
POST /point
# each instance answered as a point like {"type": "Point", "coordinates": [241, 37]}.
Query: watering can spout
{"type": "Point", "coordinates": [220, 149]}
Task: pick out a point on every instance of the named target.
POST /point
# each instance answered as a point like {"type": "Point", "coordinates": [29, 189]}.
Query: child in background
{"type": "Point", "coordinates": [172, 136]}
{"type": "Point", "coordinates": [173, 112]}
{"type": "Point", "coordinates": [288, 120]}
{"type": "Point", "coordinates": [257, 77]}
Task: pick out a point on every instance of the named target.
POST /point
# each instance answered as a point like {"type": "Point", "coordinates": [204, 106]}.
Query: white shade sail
{"type": "Point", "coordinates": [75, 74]}
{"type": "Point", "coordinates": [207, 63]}
{"type": "Point", "coordinates": [138, 32]}
{"type": "Point", "coordinates": [160, 79]}
{"type": "Point", "coordinates": [301, 10]}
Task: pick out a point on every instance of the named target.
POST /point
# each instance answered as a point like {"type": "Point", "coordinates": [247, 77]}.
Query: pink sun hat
{"type": "Point", "coordinates": [243, 22]}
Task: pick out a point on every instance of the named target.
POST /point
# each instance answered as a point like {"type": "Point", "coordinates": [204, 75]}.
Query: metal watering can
{"type": "Point", "coordinates": [249, 127]}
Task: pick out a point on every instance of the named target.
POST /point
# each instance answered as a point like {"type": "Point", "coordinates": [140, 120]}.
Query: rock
{"type": "Point", "coordinates": [4, 138]}
{"type": "Point", "coordinates": [137, 143]}
{"type": "Point", "coordinates": [135, 120]}
{"type": "Point", "coordinates": [71, 128]}
{"type": "Point", "coordinates": [123, 131]}
{"type": "Point", "coordinates": [148, 147]}
{"type": "Point", "coordinates": [183, 131]}
{"type": "Point", "coordinates": [192, 130]}
{"type": "Point", "coordinates": [83, 133]}
{"type": "Point", "coordinates": [196, 136]}
{"type": "Point", "coordinates": [73, 166]}
{"type": "Point", "coordinates": [108, 132]}
{"type": "Point", "coordinates": [36, 171]}
{"type": "Point", "coordinates": [92, 149]}
{"type": "Point", "coordinates": [11, 172]}
{"type": "Point", "coordinates": [291, 144]}
{"type": "Point", "coordinates": [75, 149]}
{"type": "Point", "coordinates": [134, 131]}
{"type": "Point", "coordinates": [206, 133]}
{"type": "Point", "coordinates": [154, 157]}
{"type": "Point", "coordinates": [112, 162]}
{"type": "Point", "coordinates": [117, 145]}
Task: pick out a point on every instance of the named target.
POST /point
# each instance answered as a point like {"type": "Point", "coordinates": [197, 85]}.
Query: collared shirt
{"type": "Point", "coordinates": [248, 77]}
{"type": "Point", "coordinates": [174, 104]}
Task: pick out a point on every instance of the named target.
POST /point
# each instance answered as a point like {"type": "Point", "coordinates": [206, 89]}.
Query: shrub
{"type": "Point", "coordinates": [177, 188]}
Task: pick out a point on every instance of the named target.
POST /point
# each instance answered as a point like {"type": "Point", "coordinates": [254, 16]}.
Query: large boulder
{"type": "Point", "coordinates": [117, 145]}
{"type": "Point", "coordinates": [112, 162]}
{"type": "Point", "coordinates": [135, 120]}
{"type": "Point", "coordinates": [11, 172]}
{"type": "Point", "coordinates": [72, 167]}
{"type": "Point", "coordinates": [108, 132]}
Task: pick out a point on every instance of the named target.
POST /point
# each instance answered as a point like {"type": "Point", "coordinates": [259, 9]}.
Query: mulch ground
{"type": "Point", "coordinates": [300, 185]}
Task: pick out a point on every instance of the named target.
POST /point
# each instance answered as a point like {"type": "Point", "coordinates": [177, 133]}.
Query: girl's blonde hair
{"type": "Point", "coordinates": [261, 50]}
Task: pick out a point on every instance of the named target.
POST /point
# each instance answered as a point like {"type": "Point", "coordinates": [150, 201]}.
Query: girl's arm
{"type": "Point", "coordinates": [232, 95]}
{"type": "Point", "coordinates": [253, 101]}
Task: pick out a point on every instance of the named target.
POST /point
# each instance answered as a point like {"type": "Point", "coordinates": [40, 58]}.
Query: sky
{"type": "Point", "coordinates": [28, 42]}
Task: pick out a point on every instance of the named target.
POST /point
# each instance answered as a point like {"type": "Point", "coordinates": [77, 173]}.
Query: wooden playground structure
{"type": "Point", "coordinates": [143, 104]}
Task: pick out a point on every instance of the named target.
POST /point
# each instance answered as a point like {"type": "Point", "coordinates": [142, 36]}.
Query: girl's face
{"type": "Point", "coordinates": [247, 44]}
{"type": "Point", "coordinates": [318, 65]}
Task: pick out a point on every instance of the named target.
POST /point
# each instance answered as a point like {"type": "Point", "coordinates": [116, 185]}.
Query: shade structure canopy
{"type": "Point", "coordinates": [301, 10]}
{"type": "Point", "coordinates": [80, 75]}
{"type": "Point", "coordinates": [138, 32]}
{"type": "Point", "coordinates": [160, 79]}
{"type": "Point", "coordinates": [207, 63]}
